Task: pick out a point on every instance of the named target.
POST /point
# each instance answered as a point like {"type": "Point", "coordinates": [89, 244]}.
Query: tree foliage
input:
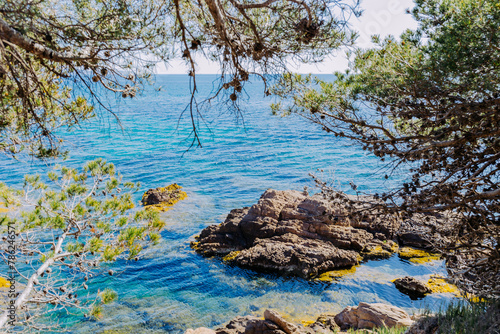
{"type": "Point", "coordinates": [429, 100]}
{"type": "Point", "coordinates": [65, 230]}
{"type": "Point", "coordinates": [56, 56]}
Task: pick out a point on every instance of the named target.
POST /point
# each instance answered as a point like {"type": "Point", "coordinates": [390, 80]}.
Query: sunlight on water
{"type": "Point", "coordinates": [172, 288]}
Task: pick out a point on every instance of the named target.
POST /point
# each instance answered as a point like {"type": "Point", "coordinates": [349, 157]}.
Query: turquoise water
{"type": "Point", "coordinates": [173, 288]}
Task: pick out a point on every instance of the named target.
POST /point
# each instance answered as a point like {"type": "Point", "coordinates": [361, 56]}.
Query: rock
{"type": "Point", "coordinates": [286, 326]}
{"type": "Point", "coordinates": [439, 284]}
{"type": "Point", "coordinates": [427, 231]}
{"type": "Point", "coordinates": [290, 254]}
{"type": "Point", "coordinates": [417, 256]}
{"type": "Point", "coordinates": [380, 249]}
{"type": "Point", "coordinates": [325, 324]}
{"type": "Point", "coordinates": [412, 286]}
{"type": "Point", "coordinates": [291, 233]}
{"type": "Point", "coordinates": [273, 323]}
{"type": "Point", "coordinates": [201, 330]}
{"type": "Point", "coordinates": [250, 325]}
{"type": "Point", "coordinates": [163, 198]}
{"type": "Point", "coordinates": [372, 315]}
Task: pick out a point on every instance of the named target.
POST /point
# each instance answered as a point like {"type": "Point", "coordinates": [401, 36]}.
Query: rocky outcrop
{"type": "Point", "coordinates": [164, 197]}
{"type": "Point", "coordinates": [292, 233]}
{"type": "Point", "coordinates": [372, 315]}
{"type": "Point", "coordinates": [412, 287]}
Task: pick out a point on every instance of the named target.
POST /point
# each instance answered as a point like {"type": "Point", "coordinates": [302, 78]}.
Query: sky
{"type": "Point", "coordinates": [380, 17]}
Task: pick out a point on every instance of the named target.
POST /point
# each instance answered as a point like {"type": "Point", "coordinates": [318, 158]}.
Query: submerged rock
{"type": "Point", "coordinates": [372, 315]}
{"type": "Point", "coordinates": [412, 286]}
{"type": "Point", "coordinates": [163, 198]}
{"type": "Point", "coordinates": [292, 233]}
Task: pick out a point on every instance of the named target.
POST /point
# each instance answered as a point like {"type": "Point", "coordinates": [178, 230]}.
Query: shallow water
{"type": "Point", "coordinates": [173, 288]}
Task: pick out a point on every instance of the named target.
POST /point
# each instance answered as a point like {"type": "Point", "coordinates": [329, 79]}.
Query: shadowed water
{"type": "Point", "coordinates": [173, 288]}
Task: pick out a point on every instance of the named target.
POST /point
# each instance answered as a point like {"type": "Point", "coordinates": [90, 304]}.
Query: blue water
{"type": "Point", "coordinates": [173, 288]}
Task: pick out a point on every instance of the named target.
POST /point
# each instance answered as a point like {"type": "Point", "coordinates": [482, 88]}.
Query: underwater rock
{"type": "Point", "coordinates": [372, 315]}
{"type": "Point", "coordinates": [292, 233]}
{"type": "Point", "coordinates": [412, 286]}
{"type": "Point", "coordinates": [164, 197]}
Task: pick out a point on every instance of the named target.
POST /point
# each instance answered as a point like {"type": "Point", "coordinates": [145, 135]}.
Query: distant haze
{"type": "Point", "coordinates": [382, 17]}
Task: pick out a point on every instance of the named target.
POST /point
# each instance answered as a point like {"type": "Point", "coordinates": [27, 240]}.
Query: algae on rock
{"type": "Point", "coordinates": [417, 256]}
{"type": "Point", "coordinates": [163, 198]}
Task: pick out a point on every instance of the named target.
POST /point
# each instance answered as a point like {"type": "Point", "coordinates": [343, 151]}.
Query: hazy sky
{"type": "Point", "coordinates": [383, 17]}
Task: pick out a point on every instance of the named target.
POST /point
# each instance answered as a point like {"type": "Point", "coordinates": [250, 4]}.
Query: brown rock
{"type": "Point", "coordinates": [372, 315]}
{"type": "Point", "coordinates": [164, 195]}
{"type": "Point", "coordinates": [291, 254]}
{"type": "Point", "coordinates": [291, 233]}
{"type": "Point", "coordinates": [427, 231]}
{"type": "Point", "coordinates": [412, 287]}
{"type": "Point", "coordinates": [250, 325]}
{"type": "Point", "coordinates": [325, 324]}
{"type": "Point", "coordinates": [286, 326]}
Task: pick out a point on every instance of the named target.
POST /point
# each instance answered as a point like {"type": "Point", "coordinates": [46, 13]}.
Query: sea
{"type": "Point", "coordinates": [172, 288]}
